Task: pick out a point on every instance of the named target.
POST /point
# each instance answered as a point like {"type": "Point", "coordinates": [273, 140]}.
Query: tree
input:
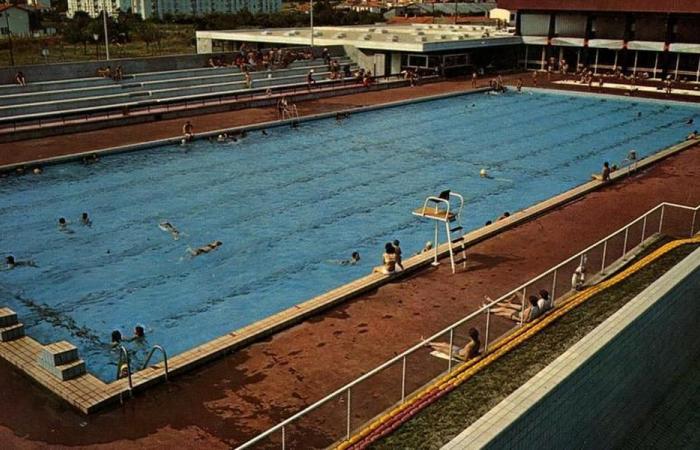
{"type": "Point", "coordinates": [149, 33]}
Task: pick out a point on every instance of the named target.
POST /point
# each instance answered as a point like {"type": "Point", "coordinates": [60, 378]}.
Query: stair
{"type": "Point", "coordinates": [10, 328]}
{"type": "Point", "coordinates": [61, 360]}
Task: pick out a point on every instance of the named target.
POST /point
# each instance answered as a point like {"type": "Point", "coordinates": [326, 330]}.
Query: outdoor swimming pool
{"type": "Point", "coordinates": [285, 205]}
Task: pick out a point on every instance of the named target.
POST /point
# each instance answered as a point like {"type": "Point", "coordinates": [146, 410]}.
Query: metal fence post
{"type": "Point", "coordinates": [403, 380]}
{"type": "Point", "coordinates": [605, 251]}
{"type": "Point", "coordinates": [644, 228]}
{"type": "Point", "coordinates": [488, 320]}
{"type": "Point", "coordinates": [692, 224]}
{"type": "Point", "coordinates": [624, 246]}
{"type": "Point", "coordinates": [554, 285]}
{"type": "Point", "coordinates": [347, 434]}
{"type": "Point", "coordinates": [284, 443]}
{"type": "Point", "coordinates": [661, 221]}
{"type": "Point", "coordinates": [449, 360]}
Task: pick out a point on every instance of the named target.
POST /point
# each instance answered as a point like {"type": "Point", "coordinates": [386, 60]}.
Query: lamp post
{"type": "Point", "coordinates": [9, 38]}
{"type": "Point", "coordinates": [96, 38]}
{"type": "Point", "coordinates": [311, 15]}
{"type": "Point", "coordinates": [104, 22]}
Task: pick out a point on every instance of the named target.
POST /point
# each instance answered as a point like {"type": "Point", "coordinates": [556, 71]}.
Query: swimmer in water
{"type": "Point", "coordinates": [264, 133]}
{"type": "Point", "coordinates": [204, 249]}
{"type": "Point", "coordinates": [11, 262]}
{"type": "Point", "coordinates": [63, 225]}
{"type": "Point", "coordinates": [85, 220]}
{"type": "Point", "coordinates": [169, 228]}
{"type": "Point", "coordinates": [354, 259]}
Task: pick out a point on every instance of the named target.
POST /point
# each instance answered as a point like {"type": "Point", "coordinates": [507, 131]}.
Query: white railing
{"type": "Point", "coordinates": [392, 382]}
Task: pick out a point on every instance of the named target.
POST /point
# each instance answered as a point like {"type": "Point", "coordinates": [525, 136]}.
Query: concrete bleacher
{"type": "Point", "coordinates": [83, 94]}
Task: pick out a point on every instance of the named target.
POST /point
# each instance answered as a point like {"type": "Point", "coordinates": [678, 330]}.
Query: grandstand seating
{"type": "Point", "coordinates": [140, 88]}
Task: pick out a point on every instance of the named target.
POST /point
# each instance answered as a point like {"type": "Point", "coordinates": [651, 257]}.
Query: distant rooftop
{"type": "Point", "coordinates": [414, 37]}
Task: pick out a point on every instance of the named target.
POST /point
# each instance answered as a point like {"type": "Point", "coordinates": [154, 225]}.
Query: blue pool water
{"type": "Point", "coordinates": [284, 205]}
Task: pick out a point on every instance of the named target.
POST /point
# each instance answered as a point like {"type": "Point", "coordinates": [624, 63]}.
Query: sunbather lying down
{"type": "Point", "coordinates": [469, 351]}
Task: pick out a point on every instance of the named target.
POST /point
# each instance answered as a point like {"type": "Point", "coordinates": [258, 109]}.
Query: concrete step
{"type": "Point", "coordinates": [68, 371]}
{"type": "Point", "coordinates": [57, 354]}
{"type": "Point", "coordinates": [12, 332]}
{"type": "Point", "coordinates": [7, 317]}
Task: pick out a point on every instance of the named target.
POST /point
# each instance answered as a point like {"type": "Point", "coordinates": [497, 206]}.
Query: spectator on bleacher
{"type": "Point", "coordinates": [118, 73]}
{"type": "Point", "coordinates": [20, 79]}
{"type": "Point", "coordinates": [248, 80]}
{"type": "Point", "coordinates": [310, 78]}
{"type": "Point", "coordinates": [104, 72]}
{"type": "Point", "coordinates": [188, 131]}
{"type": "Point", "coordinates": [326, 57]}
{"type": "Point", "coordinates": [469, 351]}
{"type": "Point", "coordinates": [367, 79]}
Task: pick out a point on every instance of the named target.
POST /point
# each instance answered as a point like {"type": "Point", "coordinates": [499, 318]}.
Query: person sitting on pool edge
{"type": "Point", "coordinates": [604, 175]}
{"type": "Point", "coordinates": [469, 351]}
{"type": "Point", "coordinates": [188, 131]}
{"type": "Point", "coordinates": [388, 266]}
{"type": "Point", "coordinates": [397, 250]}
{"type": "Point", "coordinates": [205, 248]}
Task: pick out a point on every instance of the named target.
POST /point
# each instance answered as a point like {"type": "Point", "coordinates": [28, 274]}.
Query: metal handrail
{"type": "Point", "coordinates": [165, 359]}
{"type": "Point", "coordinates": [124, 357]}
{"type": "Point", "coordinates": [487, 307]}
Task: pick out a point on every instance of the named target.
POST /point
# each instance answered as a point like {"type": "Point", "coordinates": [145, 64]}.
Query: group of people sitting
{"type": "Point", "coordinates": [106, 72]}
{"type": "Point", "coordinates": [255, 59]}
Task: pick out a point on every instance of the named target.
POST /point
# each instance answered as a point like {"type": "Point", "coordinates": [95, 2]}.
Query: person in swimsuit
{"type": "Point", "coordinates": [168, 227]}
{"type": "Point", "coordinates": [205, 249]}
{"type": "Point", "coordinates": [397, 250]}
{"type": "Point", "coordinates": [85, 220]}
{"type": "Point", "coordinates": [469, 351]}
{"type": "Point", "coordinates": [11, 262]}
{"type": "Point", "coordinates": [388, 260]}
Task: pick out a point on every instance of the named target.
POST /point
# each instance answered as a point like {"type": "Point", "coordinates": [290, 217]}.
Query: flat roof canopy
{"type": "Point", "coordinates": [415, 38]}
{"type": "Point", "coordinates": [662, 6]}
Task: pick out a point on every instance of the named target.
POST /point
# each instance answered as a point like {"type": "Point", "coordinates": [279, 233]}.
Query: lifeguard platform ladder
{"type": "Point", "coordinates": [443, 208]}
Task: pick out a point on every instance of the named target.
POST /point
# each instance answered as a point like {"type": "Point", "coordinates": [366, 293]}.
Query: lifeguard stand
{"type": "Point", "coordinates": [443, 208]}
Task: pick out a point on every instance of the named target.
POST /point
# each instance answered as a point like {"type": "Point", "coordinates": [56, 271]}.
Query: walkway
{"type": "Point", "coordinates": [234, 398]}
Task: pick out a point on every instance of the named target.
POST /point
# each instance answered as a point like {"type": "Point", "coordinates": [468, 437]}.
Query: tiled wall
{"type": "Point", "coordinates": [602, 387]}
{"type": "Point", "coordinates": [612, 390]}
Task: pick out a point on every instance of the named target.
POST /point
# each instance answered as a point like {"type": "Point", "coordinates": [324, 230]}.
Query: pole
{"type": "Point", "coordinates": [104, 22]}
{"type": "Point", "coordinates": [9, 39]}
{"type": "Point", "coordinates": [311, 16]}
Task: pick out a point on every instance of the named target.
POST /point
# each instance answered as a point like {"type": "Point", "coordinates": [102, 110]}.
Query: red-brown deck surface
{"type": "Point", "coordinates": [232, 399]}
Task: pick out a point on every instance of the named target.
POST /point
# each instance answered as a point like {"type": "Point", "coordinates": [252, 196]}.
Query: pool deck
{"type": "Point", "coordinates": [233, 398]}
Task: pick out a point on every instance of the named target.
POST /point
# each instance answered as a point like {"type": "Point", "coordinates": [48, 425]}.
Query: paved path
{"type": "Point", "coordinates": [232, 399]}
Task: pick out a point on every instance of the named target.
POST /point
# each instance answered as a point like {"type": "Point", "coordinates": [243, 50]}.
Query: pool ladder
{"type": "Point", "coordinates": [440, 209]}
{"type": "Point", "coordinates": [125, 358]}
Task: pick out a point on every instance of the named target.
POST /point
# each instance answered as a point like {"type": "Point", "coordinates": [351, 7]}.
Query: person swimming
{"type": "Point", "coordinates": [63, 225]}
{"type": "Point", "coordinates": [205, 248]}
{"type": "Point", "coordinates": [85, 220]}
{"type": "Point", "coordinates": [169, 228]}
{"type": "Point", "coordinates": [354, 259]}
{"type": "Point", "coordinates": [11, 262]}
{"type": "Point", "coordinates": [116, 338]}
